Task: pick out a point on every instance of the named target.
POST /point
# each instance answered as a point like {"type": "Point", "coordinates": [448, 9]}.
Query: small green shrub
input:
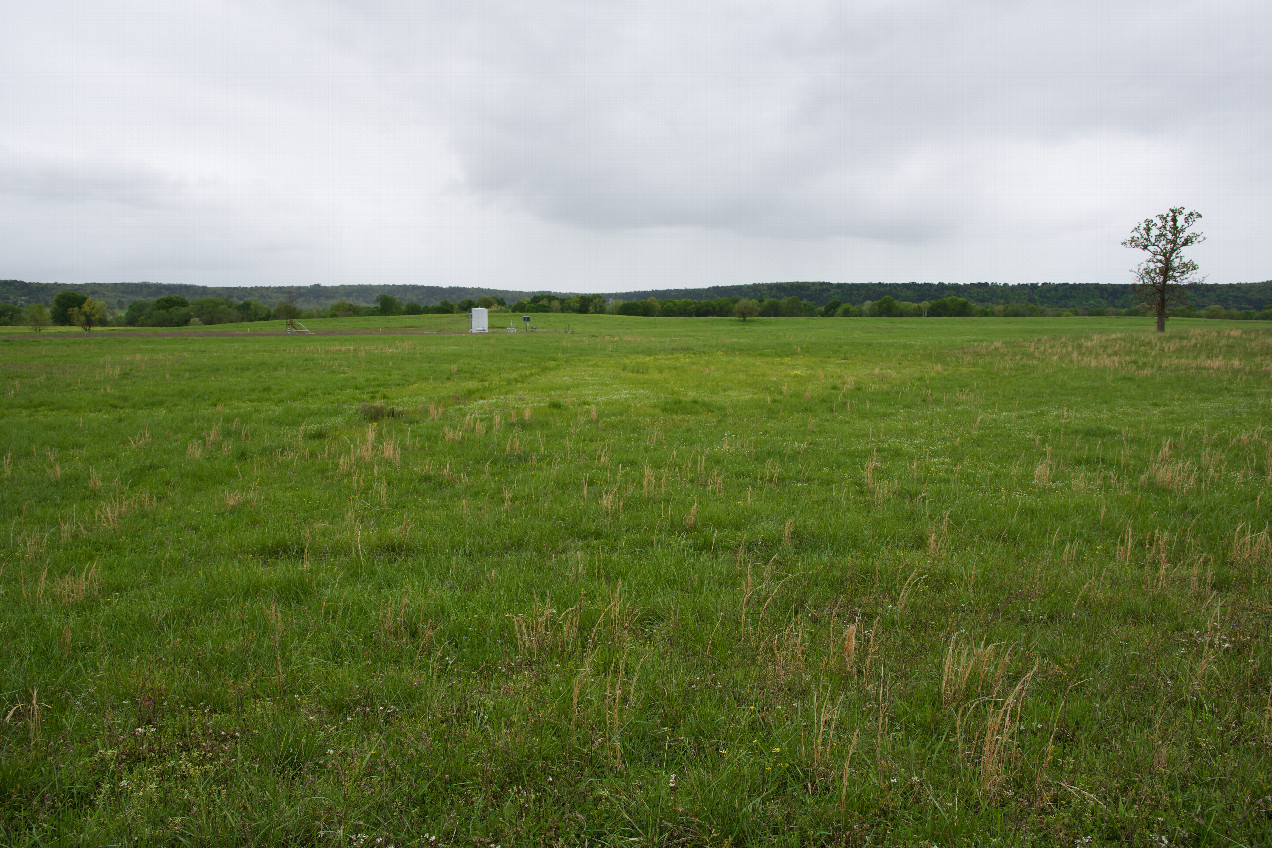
{"type": "Point", "coordinates": [377, 411]}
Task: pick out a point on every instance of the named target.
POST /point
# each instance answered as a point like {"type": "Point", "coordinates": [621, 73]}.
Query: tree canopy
{"type": "Point", "coordinates": [63, 304]}
{"type": "Point", "coordinates": [89, 314]}
{"type": "Point", "coordinates": [1162, 278]}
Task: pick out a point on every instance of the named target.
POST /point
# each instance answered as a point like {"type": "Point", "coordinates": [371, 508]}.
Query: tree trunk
{"type": "Point", "coordinates": [1161, 310]}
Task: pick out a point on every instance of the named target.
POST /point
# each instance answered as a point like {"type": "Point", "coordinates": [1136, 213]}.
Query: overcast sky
{"type": "Point", "coordinates": [595, 146]}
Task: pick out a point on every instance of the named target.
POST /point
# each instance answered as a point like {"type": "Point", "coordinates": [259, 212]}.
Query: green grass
{"type": "Point", "coordinates": [887, 582]}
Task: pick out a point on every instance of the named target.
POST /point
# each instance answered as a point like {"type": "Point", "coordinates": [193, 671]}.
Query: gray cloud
{"type": "Point", "coordinates": [577, 144]}
{"type": "Point", "coordinates": [33, 178]}
{"type": "Point", "coordinates": [858, 120]}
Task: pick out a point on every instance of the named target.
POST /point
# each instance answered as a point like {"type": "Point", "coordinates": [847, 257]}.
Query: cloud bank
{"type": "Point", "coordinates": [593, 147]}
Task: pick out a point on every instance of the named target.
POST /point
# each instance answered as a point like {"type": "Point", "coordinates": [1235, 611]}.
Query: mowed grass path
{"type": "Point", "coordinates": [792, 581]}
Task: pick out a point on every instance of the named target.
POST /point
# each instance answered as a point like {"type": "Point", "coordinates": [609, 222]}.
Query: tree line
{"type": "Point", "coordinates": [317, 299]}
{"type": "Point", "coordinates": [1064, 296]}
{"type": "Point", "coordinates": [73, 308]}
{"type": "Point", "coordinates": [889, 307]}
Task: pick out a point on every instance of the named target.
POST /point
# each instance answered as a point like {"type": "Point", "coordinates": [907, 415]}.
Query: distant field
{"type": "Point", "coordinates": [672, 581]}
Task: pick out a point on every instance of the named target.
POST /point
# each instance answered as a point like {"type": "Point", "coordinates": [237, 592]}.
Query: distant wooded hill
{"type": "Point", "coordinates": [119, 295]}
{"type": "Point", "coordinates": [1238, 296]}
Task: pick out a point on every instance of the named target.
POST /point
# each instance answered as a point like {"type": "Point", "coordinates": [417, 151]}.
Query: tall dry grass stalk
{"type": "Point", "coordinates": [825, 718]}
{"type": "Point", "coordinates": [871, 647]}
{"type": "Point", "coordinates": [1177, 475]}
{"type": "Point", "coordinates": [73, 588]}
{"type": "Point", "coordinates": [968, 667]}
{"type": "Point", "coordinates": [1210, 646]}
{"type": "Point", "coordinates": [843, 788]}
{"type": "Point", "coordinates": [583, 677]}
{"type": "Point", "coordinates": [1126, 545]}
{"type": "Point", "coordinates": [939, 537]}
{"type": "Point", "coordinates": [1000, 729]}
{"type": "Point", "coordinates": [109, 514]}
{"type": "Point", "coordinates": [789, 649]}
{"type": "Point", "coordinates": [1044, 470]}
{"type": "Point", "coordinates": [544, 628]}
{"type": "Point", "coordinates": [871, 467]}
{"type": "Point", "coordinates": [619, 695]}
{"type": "Point", "coordinates": [1251, 549]}
{"type": "Point", "coordinates": [849, 652]}
{"type": "Point", "coordinates": [912, 583]}
{"type": "Point", "coordinates": [32, 544]}
{"type": "Point", "coordinates": [613, 613]}
{"type": "Point", "coordinates": [1156, 558]}
{"type": "Point", "coordinates": [274, 616]}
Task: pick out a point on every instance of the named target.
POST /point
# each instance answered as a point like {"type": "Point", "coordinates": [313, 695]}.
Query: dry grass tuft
{"type": "Point", "coordinates": [789, 650]}
{"type": "Point", "coordinates": [1250, 549]}
{"type": "Point", "coordinates": [1210, 646]}
{"type": "Point", "coordinates": [849, 651]}
{"type": "Point", "coordinates": [31, 712]}
{"type": "Point", "coordinates": [544, 628]}
{"type": "Point", "coordinates": [939, 537]}
{"type": "Point", "coordinates": [969, 667]}
{"type": "Point", "coordinates": [391, 452]}
{"type": "Point", "coordinates": [1176, 475]}
{"type": "Point", "coordinates": [826, 719]}
{"type": "Point", "coordinates": [1042, 474]}
{"type": "Point", "coordinates": [110, 514]}
{"type": "Point", "coordinates": [1000, 728]}
{"type": "Point", "coordinates": [913, 582]}
{"type": "Point", "coordinates": [73, 588]}
{"type": "Point", "coordinates": [398, 625]}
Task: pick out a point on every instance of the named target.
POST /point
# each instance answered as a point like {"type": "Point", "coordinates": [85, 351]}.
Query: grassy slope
{"type": "Point", "coordinates": [935, 581]}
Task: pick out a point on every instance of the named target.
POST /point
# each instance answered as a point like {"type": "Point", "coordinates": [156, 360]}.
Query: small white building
{"type": "Point", "coordinates": [478, 320]}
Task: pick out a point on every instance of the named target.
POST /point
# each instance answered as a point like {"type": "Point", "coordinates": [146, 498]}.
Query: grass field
{"type": "Point", "coordinates": [675, 581]}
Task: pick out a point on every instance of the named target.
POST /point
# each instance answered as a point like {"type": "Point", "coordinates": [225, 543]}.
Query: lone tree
{"type": "Point", "coordinates": [91, 313]}
{"type": "Point", "coordinates": [1163, 277]}
{"type": "Point", "coordinates": [285, 310]}
{"type": "Point", "coordinates": [37, 317]}
{"type": "Point", "coordinates": [745, 309]}
{"type": "Point", "coordinates": [389, 305]}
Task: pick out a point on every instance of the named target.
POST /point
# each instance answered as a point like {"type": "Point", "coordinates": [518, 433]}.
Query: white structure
{"type": "Point", "coordinates": [478, 320]}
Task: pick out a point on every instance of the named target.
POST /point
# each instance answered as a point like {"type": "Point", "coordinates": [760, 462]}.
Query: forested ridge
{"type": "Point", "coordinates": [1044, 295]}
{"type": "Point", "coordinates": [118, 296]}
